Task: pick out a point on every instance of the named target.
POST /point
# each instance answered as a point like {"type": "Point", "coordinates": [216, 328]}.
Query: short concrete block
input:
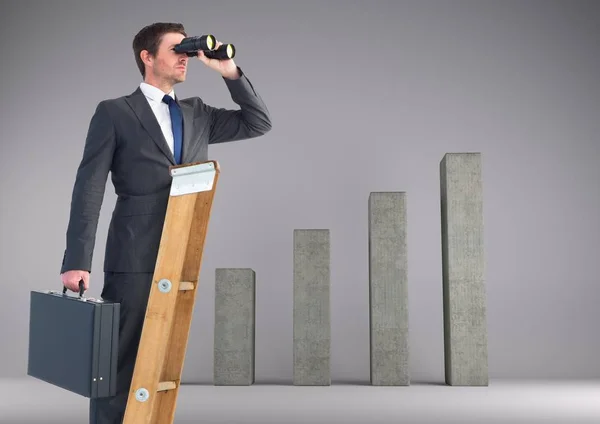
{"type": "Point", "coordinates": [312, 332]}
{"type": "Point", "coordinates": [388, 290]}
{"type": "Point", "coordinates": [463, 269]}
{"type": "Point", "coordinates": [234, 338]}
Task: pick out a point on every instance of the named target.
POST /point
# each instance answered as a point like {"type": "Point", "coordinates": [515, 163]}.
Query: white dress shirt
{"type": "Point", "coordinates": [161, 110]}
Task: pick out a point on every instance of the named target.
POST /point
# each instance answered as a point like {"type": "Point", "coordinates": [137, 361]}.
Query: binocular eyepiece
{"type": "Point", "coordinates": [206, 43]}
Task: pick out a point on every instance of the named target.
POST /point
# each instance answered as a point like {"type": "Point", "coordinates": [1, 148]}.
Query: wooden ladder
{"type": "Point", "coordinates": [159, 363]}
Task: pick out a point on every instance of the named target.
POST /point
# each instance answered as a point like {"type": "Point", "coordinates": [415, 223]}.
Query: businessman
{"type": "Point", "coordinates": [136, 138]}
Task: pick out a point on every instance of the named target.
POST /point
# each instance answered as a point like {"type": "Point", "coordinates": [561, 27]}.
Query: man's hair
{"type": "Point", "coordinates": [149, 38]}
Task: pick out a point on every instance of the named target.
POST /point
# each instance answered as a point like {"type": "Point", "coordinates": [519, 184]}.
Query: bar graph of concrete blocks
{"type": "Point", "coordinates": [463, 292]}
{"type": "Point", "coordinates": [234, 335]}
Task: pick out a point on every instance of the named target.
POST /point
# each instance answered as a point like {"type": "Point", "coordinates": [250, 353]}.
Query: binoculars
{"type": "Point", "coordinates": [206, 43]}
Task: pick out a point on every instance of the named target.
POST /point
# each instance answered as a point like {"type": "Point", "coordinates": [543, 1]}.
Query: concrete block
{"type": "Point", "coordinates": [463, 270]}
{"type": "Point", "coordinates": [312, 331]}
{"type": "Point", "coordinates": [234, 334]}
{"type": "Point", "coordinates": [388, 290]}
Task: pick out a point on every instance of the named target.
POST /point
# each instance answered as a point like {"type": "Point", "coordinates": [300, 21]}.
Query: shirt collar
{"type": "Point", "coordinates": [153, 92]}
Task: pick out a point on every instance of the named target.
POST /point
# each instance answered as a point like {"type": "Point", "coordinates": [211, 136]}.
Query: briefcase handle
{"type": "Point", "coordinates": [81, 288]}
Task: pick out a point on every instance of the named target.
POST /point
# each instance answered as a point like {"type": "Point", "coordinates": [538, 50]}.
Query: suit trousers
{"type": "Point", "coordinates": [131, 290]}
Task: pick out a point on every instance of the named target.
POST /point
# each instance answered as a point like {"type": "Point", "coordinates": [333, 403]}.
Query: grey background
{"type": "Point", "coordinates": [365, 96]}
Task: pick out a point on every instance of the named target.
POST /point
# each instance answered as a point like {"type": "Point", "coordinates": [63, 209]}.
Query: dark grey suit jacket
{"type": "Point", "coordinates": [125, 139]}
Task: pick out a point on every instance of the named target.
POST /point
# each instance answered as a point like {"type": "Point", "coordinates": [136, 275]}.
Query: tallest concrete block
{"type": "Point", "coordinates": [463, 270]}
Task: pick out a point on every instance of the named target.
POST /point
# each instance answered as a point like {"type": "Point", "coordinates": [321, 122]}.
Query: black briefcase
{"type": "Point", "coordinates": [73, 342]}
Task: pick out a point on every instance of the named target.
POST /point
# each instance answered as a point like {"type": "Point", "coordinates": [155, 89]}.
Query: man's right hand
{"type": "Point", "coordinates": [71, 279]}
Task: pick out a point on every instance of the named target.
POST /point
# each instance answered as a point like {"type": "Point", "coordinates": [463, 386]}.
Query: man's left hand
{"type": "Point", "coordinates": [227, 68]}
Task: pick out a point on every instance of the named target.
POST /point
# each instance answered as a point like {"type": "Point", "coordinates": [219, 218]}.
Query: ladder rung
{"type": "Point", "coordinates": [166, 385]}
{"type": "Point", "coordinates": [186, 285]}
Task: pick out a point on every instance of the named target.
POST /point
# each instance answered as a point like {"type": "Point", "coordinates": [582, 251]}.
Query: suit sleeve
{"type": "Point", "coordinates": [251, 120]}
{"type": "Point", "coordinates": [88, 191]}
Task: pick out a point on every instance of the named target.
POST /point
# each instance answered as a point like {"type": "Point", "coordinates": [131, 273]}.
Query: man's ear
{"type": "Point", "coordinates": [146, 57]}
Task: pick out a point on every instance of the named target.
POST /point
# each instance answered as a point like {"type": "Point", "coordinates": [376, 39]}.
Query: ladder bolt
{"type": "Point", "coordinates": [142, 395]}
{"type": "Point", "coordinates": [164, 285]}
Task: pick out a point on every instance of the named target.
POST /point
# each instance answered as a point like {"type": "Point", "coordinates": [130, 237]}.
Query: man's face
{"type": "Point", "coordinates": [169, 65]}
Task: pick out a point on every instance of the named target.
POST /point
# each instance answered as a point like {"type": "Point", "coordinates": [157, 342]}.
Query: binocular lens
{"type": "Point", "coordinates": [225, 51]}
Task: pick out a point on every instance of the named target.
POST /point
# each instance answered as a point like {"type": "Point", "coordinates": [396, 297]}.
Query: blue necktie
{"type": "Point", "coordinates": [176, 125]}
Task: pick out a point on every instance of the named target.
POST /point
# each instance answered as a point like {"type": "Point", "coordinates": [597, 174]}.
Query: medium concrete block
{"type": "Point", "coordinates": [312, 332]}
{"type": "Point", "coordinates": [388, 290]}
{"type": "Point", "coordinates": [234, 338]}
{"type": "Point", "coordinates": [463, 270]}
